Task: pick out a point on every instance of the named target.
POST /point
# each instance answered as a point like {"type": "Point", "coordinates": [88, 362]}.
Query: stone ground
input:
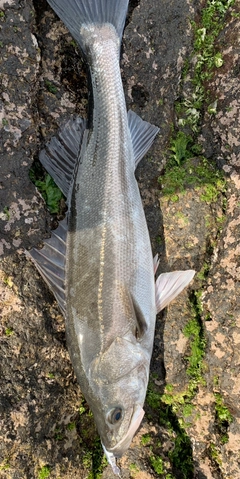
{"type": "Point", "coordinates": [46, 429]}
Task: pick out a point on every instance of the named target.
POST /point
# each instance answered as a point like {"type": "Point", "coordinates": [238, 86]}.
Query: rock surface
{"type": "Point", "coordinates": [46, 429]}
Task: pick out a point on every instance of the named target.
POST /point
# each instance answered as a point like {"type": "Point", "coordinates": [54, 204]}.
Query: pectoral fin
{"type": "Point", "coordinates": [169, 285]}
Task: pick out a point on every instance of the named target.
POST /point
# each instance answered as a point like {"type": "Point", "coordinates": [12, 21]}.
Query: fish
{"type": "Point", "coordinates": [98, 262]}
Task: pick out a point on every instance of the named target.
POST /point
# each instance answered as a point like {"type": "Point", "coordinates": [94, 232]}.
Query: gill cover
{"type": "Point", "coordinates": [119, 359]}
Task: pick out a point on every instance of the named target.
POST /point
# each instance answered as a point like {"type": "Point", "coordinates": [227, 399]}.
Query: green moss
{"type": "Point", "coordinates": [203, 273]}
{"type": "Point", "coordinates": [133, 468]}
{"type": "Point", "coordinates": [205, 58]}
{"type": "Point", "coordinates": [214, 454]}
{"type": "Point", "coordinates": [187, 410]}
{"type": "Point", "coordinates": [9, 331]}
{"type": "Point", "coordinates": [193, 173]}
{"type": "Point", "coordinates": [6, 212]}
{"type": "Point", "coordinates": [175, 409]}
{"type": "Point", "coordinates": [179, 147]}
{"type": "Point", "coordinates": [50, 87]}
{"type": "Point", "coordinates": [82, 410]}
{"type": "Point", "coordinates": [157, 464]}
{"type": "Point", "coordinates": [4, 466]}
{"type": "Point", "coordinates": [87, 460]}
{"type": "Point", "coordinates": [181, 455]}
{"type": "Point", "coordinates": [44, 472]}
{"type": "Point", "coordinates": [206, 33]}
{"type": "Point", "coordinates": [145, 439]}
{"type": "Point", "coordinates": [47, 187]}
{"type": "Point", "coordinates": [153, 398]}
{"type": "Point", "coordinates": [59, 433]}
{"type": "Point", "coordinates": [71, 426]}
{"type": "Point", "coordinates": [223, 414]}
{"type": "Point", "coordinates": [194, 331]}
{"type": "Point", "coordinates": [94, 460]}
{"type": "Point", "coordinates": [166, 406]}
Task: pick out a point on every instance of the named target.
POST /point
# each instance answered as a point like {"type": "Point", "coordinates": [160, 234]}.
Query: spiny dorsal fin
{"type": "Point", "coordinates": [50, 262]}
{"type": "Point", "coordinates": [142, 135]}
{"type": "Point", "coordinates": [60, 155]}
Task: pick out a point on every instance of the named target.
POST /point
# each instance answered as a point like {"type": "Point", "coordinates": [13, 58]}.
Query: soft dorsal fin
{"type": "Point", "coordinates": [61, 153]}
{"type": "Point", "coordinates": [170, 285]}
{"type": "Point", "coordinates": [142, 135]}
{"type": "Point", "coordinates": [50, 262]}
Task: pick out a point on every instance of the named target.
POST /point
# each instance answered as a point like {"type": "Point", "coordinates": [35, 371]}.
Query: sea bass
{"type": "Point", "coordinates": [98, 262]}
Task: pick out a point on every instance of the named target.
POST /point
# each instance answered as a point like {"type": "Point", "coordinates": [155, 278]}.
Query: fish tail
{"type": "Point", "coordinates": [75, 13]}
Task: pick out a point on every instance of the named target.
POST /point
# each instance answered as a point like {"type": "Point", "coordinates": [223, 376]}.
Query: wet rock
{"type": "Point", "coordinates": [45, 425]}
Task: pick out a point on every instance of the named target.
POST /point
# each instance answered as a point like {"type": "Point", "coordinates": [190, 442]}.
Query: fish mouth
{"type": "Point", "coordinates": [125, 442]}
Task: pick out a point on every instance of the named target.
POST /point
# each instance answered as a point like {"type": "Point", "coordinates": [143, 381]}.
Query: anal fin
{"type": "Point", "coordinates": [50, 262]}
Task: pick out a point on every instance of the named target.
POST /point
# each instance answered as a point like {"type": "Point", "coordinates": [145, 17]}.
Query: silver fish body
{"type": "Point", "coordinates": [98, 262]}
{"type": "Point", "coordinates": [109, 266]}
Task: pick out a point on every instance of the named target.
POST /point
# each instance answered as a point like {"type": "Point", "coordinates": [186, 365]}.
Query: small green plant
{"type": "Point", "coordinates": [4, 120]}
{"type": "Point", "coordinates": [4, 466]}
{"type": "Point", "coordinates": [49, 190]}
{"type": "Point", "coordinates": [194, 331]}
{"type": "Point", "coordinates": [203, 273]}
{"type": "Point", "coordinates": [87, 460]}
{"type": "Point", "coordinates": [6, 212]}
{"type": "Point", "coordinates": [95, 460]}
{"type": "Point", "coordinates": [51, 88]}
{"type": "Point", "coordinates": [167, 405]}
{"type": "Point", "coordinates": [153, 398]}
{"type": "Point", "coordinates": [181, 455]}
{"type": "Point", "coordinates": [215, 454]}
{"type": "Point", "coordinates": [44, 472]}
{"type": "Point", "coordinates": [82, 410]}
{"type": "Point", "coordinates": [200, 67]}
{"type": "Point", "coordinates": [51, 193]}
{"type": "Point", "coordinates": [179, 147]}
{"type": "Point", "coordinates": [133, 468]}
{"type": "Point", "coordinates": [222, 412]}
{"type": "Point", "coordinates": [59, 436]}
{"type": "Point", "coordinates": [193, 173]}
{"type": "Point", "coordinates": [9, 331]}
{"type": "Point", "coordinates": [157, 464]}
{"type": "Point", "coordinates": [71, 426]}
{"type": "Point", "coordinates": [145, 439]}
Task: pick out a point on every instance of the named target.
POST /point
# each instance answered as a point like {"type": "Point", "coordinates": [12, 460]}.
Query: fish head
{"type": "Point", "coordinates": [119, 379]}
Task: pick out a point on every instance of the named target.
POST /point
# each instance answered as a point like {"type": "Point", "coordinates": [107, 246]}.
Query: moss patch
{"type": "Point", "coordinates": [47, 187]}
{"type": "Point", "coordinates": [193, 173]}
{"type": "Point", "coordinates": [179, 456]}
{"type": "Point", "coordinates": [44, 472]}
{"type": "Point", "coordinates": [223, 418]}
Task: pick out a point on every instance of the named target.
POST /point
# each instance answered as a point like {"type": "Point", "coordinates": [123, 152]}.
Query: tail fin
{"type": "Point", "coordinates": [74, 13]}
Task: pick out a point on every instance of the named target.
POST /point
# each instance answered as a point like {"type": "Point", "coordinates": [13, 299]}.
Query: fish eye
{"type": "Point", "coordinates": [115, 415]}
